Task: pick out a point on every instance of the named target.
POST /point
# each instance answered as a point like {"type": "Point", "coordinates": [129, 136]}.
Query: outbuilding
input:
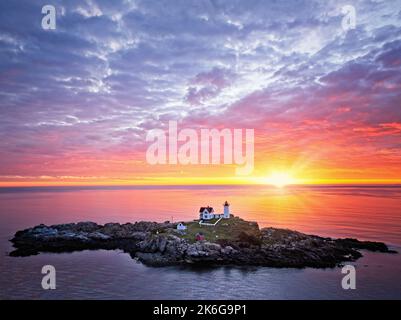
{"type": "Point", "coordinates": [181, 226]}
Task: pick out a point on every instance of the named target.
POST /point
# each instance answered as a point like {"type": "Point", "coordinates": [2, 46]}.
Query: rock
{"type": "Point", "coordinates": [228, 250]}
{"type": "Point", "coordinates": [367, 245]}
{"type": "Point", "coordinates": [71, 236]}
{"type": "Point", "coordinates": [193, 251]}
{"type": "Point", "coordinates": [129, 230]}
{"type": "Point", "coordinates": [162, 242]}
{"type": "Point", "coordinates": [204, 252]}
{"type": "Point", "coordinates": [138, 235]}
{"type": "Point", "coordinates": [176, 247]}
{"type": "Point", "coordinates": [145, 226]}
{"type": "Point", "coordinates": [208, 246]}
{"type": "Point", "coordinates": [98, 236]}
{"type": "Point", "coordinates": [43, 232]}
{"type": "Point", "coordinates": [156, 244]}
{"type": "Point", "coordinates": [62, 227]}
{"type": "Point", "coordinates": [86, 226]}
{"type": "Point", "coordinates": [111, 229]}
{"type": "Point", "coordinates": [147, 245]}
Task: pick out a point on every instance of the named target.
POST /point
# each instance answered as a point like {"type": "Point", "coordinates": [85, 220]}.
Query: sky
{"type": "Point", "coordinates": [77, 102]}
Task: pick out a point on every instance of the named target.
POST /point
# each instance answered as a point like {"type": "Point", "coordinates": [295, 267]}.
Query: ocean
{"type": "Point", "coordinates": [363, 212]}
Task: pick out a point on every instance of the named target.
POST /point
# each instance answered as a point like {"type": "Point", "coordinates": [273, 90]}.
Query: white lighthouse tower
{"type": "Point", "coordinates": [226, 213]}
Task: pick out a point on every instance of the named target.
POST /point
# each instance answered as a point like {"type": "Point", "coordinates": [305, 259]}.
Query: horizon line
{"type": "Point", "coordinates": [395, 184]}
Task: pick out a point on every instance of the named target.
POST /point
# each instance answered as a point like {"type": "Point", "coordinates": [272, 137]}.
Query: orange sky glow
{"type": "Point", "coordinates": [324, 101]}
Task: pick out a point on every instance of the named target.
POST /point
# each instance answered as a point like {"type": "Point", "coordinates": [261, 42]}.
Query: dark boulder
{"type": "Point", "coordinates": [158, 244]}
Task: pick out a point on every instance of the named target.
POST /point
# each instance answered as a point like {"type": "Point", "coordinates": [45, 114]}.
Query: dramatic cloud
{"type": "Point", "coordinates": [77, 101]}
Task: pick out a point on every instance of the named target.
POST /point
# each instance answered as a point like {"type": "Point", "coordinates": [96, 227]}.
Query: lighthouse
{"type": "Point", "coordinates": [226, 214]}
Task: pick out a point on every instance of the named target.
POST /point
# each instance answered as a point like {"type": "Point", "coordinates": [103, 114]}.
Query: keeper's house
{"type": "Point", "coordinates": [207, 213]}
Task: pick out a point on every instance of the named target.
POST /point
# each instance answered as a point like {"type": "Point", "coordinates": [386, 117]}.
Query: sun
{"type": "Point", "coordinates": [280, 179]}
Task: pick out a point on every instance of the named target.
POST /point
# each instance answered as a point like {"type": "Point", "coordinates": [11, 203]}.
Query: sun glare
{"type": "Point", "coordinates": [280, 179]}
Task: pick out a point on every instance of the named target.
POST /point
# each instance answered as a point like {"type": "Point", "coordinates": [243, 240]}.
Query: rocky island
{"type": "Point", "coordinates": [233, 241]}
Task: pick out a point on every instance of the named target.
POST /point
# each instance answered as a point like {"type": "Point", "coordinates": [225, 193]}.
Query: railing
{"type": "Point", "coordinates": [201, 223]}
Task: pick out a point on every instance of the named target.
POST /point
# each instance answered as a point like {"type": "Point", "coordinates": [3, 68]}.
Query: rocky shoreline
{"type": "Point", "coordinates": [160, 244]}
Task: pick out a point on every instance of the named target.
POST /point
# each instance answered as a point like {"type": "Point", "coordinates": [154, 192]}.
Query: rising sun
{"type": "Point", "coordinates": [280, 179]}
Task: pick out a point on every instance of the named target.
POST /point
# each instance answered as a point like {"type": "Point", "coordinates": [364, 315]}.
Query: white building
{"type": "Point", "coordinates": [226, 213]}
{"type": "Point", "coordinates": [207, 213]}
{"type": "Point", "coordinates": [181, 226]}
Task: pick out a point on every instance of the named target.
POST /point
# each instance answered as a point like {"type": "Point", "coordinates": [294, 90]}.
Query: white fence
{"type": "Point", "coordinates": [201, 223]}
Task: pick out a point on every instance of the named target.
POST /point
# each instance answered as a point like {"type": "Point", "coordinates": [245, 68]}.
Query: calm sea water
{"type": "Point", "coordinates": [364, 212]}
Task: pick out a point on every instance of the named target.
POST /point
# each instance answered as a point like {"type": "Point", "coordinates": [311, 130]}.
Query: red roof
{"type": "Point", "coordinates": [200, 237]}
{"type": "Point", "coordinates": [209, 209]}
